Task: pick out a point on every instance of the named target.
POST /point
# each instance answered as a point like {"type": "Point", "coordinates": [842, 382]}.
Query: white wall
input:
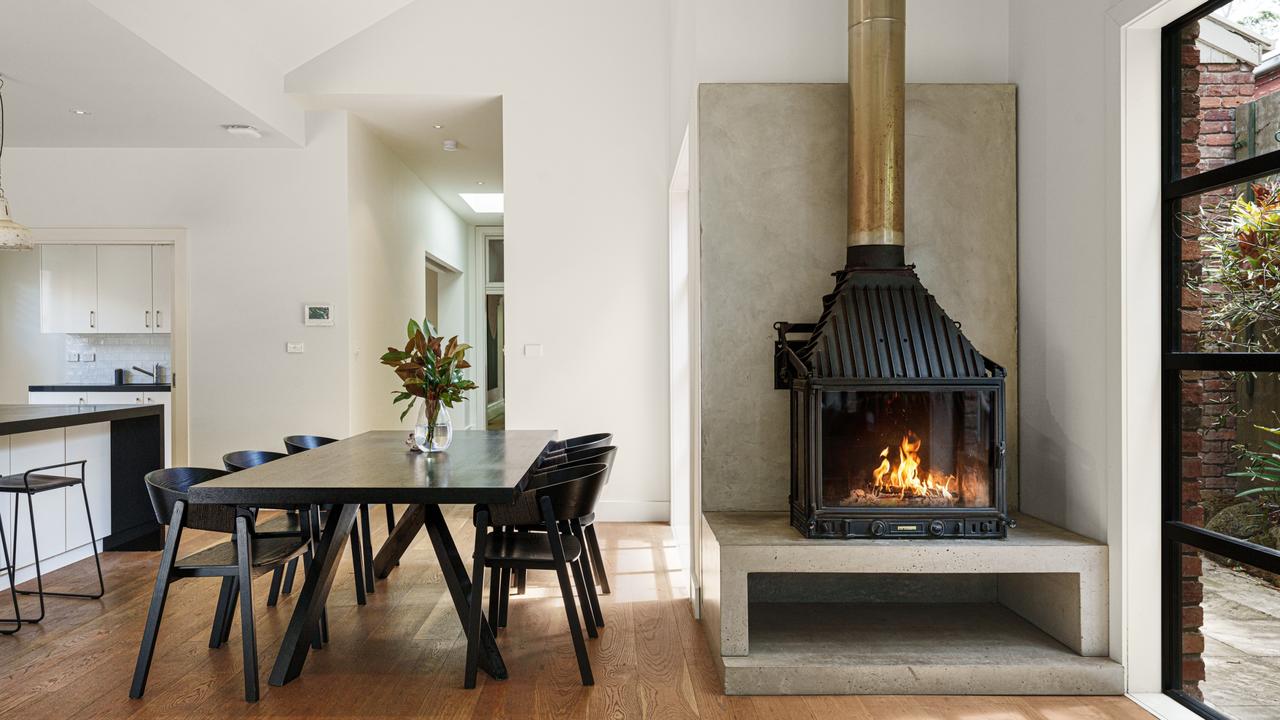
{"type": "Point", "coordinates": [26, 356]}
{"type": "Point", "coordinates": [396, 221]}
{"type": "Point", "coordinates": [267, 231]}
{"type": "Point", "coordinates": [1063, 260]}
{"type": "Point", "coordinates": [584, 88]}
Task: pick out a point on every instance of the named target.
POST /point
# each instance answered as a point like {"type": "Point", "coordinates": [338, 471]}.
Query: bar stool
{"type": "Point", "coordinates": [361, 539]}
{"type": "Point", "coordinates": [17, 614]}
{"type": "Point", "coordinates": [30, 484]}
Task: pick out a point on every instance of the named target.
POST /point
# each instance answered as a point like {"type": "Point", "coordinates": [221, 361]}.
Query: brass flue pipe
{"type": "Point", "coordinates": [877, 84]}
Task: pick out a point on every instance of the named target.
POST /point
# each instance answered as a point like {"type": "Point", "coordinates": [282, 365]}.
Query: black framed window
{"type": "Point", "coordinates": [1220, 355]}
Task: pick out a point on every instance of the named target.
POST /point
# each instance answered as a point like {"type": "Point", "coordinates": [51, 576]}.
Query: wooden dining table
{"type": "Point", "coordinates": [480, 467]}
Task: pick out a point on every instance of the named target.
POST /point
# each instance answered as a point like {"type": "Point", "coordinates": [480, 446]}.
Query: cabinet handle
{"type": "Point", "coordinates": [146, 318]}
{"type": "Point", "coordinates": [157, 319]}
{"type": "Point", "coordinates": [93, 320]}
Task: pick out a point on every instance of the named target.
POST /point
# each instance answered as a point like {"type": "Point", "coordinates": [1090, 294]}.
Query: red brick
{"type": "Point", "coordinates": [1193, 516]}
{"type": "Point", "coordinates": [1192, 669]}
{"type": "Point", "coordinates": [1192, 617]}
{"type": "Point", "coordinates": [1192, 643]}
{"type": "Point", "coordinates": [1191, 567]}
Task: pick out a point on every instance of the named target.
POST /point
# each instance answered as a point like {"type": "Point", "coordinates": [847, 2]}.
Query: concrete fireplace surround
{"type": "Point", "coordinates": [788, 615]}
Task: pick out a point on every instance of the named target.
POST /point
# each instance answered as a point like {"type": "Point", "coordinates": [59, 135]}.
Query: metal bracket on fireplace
{"type": "Point", "coordinates": [786, 358]}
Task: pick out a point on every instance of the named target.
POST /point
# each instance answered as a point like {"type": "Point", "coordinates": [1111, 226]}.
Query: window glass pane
{"type": "Point", "coordinates": [495, 260]}
{"type": "Point", "coordinates": [1230, 636]}
{"type": "Point", "coordinates": [1229, 263]}
{"type": "Point", "coordinates": [1230, 436]}
{"type": "Point", "coordinates": [908, 448]}
{"type": "Point", "coordinates": [1229, 104]}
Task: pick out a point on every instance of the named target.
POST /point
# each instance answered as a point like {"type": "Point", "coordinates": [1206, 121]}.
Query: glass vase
{"type": "Point", "coordinates": [429, 437]}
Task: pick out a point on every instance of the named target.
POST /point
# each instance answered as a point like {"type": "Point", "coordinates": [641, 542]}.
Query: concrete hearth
{"type": "Point", "coordinates": [1023, 615]}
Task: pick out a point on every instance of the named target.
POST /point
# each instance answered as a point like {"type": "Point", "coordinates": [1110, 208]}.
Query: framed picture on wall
{"type": "Point", "coordinates": [317, 314]}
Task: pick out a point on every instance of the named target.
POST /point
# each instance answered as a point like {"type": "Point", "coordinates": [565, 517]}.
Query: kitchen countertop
{"type": "Point", "coordinates": [101, 387]}
{"type": "Point", "coordinates": [16, 419]}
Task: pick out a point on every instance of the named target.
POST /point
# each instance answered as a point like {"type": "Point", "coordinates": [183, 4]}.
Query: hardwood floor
{"type": "Point", "coordinates": [402, 655]}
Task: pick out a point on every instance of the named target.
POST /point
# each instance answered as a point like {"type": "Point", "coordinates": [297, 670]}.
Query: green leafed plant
{"type": "Point", "coordinates": [1262, 467]}
{"type": "Point", "coordinates": [431, 370]}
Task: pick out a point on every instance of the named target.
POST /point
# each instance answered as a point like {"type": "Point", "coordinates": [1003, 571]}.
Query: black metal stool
{"type": "Point", "coordinates": [31, 483]}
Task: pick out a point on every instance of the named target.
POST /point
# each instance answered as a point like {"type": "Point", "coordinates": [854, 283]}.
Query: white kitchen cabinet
{"type": "Point", "coordinates": [91, 443]}
{"type": "Point", "coordinates": [28, 451]}
{"type": "Point", "coordinates": [68, 288]}
{"type": "Point", "coordinates": [162, 288]}
{"type": "Point", "coordinates": [130, 397]}
{"type": "Point", "coordinates": [124, 289]}
{"type": "Point", "coordinates": [57, 398]}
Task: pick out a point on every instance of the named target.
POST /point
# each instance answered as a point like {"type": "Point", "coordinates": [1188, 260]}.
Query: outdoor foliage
{"type": "Point", "coordinates": [1240, 281]}
{"type": "Point", "coordinates": [1264, 467]}
{"type": "Point", "coordinates": [430, 369]}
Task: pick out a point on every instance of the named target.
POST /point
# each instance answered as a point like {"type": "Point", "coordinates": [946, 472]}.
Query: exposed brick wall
{"type": "Point", "coordinates": [1210, 94]}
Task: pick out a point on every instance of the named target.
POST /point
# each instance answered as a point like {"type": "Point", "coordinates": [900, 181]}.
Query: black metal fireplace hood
{"type": "Point", "coordinates": [880, 322]}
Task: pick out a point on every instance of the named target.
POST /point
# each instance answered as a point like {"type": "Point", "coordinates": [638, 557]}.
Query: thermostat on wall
{"type": "Point", "coordinates": [314, 314]}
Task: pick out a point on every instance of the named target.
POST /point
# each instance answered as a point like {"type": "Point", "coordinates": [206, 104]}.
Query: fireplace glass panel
{"type": "Point", "coordinates": [908, 448]}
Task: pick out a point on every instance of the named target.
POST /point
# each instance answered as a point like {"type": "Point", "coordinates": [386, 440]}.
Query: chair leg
{"type": "Point", "coordinates": [289, 573]}
{"type": "Point", "coordinates": [35, 552]}
{"type": "Point", "coordinates": [597, 614]}
{"type": "Point", "coordinates": [273, 595]}
{"type": "Point", "coordinates": [367, 537]}
{"type": "Point", "coordinates": [520, 581]}
{"type": "Point", "coordinates": [8, 568]}
{"type": "Point", "coordinates": [231, 610]}
{"type": "Point", "coordinates": [597, 559]}
{"type": "Point", "coordinates": [148, 647]}
{"type": "Point", "coordinates": [575, 630]}
{"type": "Point", "coordinates": [588, 612]}
{"type": "Point", "coordinates": [220, 612]}
{"type": "Point", "coordinates": [477, 596]}
{"type": "Point", "coordinates": [495, 598]}
{"type": "Point", "coordinates": [391, 518]}
{"type": "Point", "coordinates": [506, 595]}
{"type": "Point", "coordinates": [357, 564]}
{"type": "Point", "coordinates": [249, 640]}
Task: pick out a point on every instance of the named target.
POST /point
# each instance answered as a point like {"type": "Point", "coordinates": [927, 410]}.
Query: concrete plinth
{"type": "Point", "coordinates": [1030, 615]}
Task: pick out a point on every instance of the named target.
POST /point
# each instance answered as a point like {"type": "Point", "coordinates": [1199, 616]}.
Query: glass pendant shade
{"type": "Point", "coordinates": [12, 235]}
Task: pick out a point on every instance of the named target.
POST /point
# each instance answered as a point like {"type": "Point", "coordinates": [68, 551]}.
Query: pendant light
{"type": "Point", "coordinates": [12, 235]}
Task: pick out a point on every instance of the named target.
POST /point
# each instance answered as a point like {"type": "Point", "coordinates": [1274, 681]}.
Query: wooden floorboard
{"type": "Point", "coordinates": [402, 654]}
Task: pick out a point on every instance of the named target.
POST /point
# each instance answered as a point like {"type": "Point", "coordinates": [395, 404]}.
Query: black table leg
{"type": "Point", "coordinates": [459, 582]}
{"type": "Point", "coordinates": [398, 541]}
{"type": "Point", "coordinates": [315, 591]}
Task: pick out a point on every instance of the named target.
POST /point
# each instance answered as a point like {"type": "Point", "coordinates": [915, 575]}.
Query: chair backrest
{"type": "Point", "coordinates": [169, 486]}
{"type": "Point", "coordinates": [573, 491]}
{"type": "Point", "coordinates": [559, 448]}
{"type": "Point", "coordinates": [590, 456]}
{"type": "Point", "coordinates": [245, 459]}
{"type": "Point", "coordinates": [301, 443]}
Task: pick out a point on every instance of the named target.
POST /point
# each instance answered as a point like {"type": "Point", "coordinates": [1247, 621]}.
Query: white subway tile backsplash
{"type": "Point", "coordinates": [114, 351]}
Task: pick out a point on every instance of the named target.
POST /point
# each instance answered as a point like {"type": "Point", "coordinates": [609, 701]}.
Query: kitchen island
{"type": "Point", "coordinates": [121, 444]}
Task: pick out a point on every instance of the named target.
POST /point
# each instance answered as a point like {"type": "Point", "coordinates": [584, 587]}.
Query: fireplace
{"type": "Point", "coordinates": [897, 421]}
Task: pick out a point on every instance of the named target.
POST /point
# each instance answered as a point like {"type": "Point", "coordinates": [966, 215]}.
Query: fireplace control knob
{"type": "Point", "coordinates": [877, 528]}
{"type": "Point", "coordinates": [936, 527]}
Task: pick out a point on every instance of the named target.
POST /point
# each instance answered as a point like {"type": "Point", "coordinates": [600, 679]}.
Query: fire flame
{"type": "Point", "coordinates": [905, 479]}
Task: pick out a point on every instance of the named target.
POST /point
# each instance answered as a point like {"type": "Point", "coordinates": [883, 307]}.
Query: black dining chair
{"type": "Point", "coordinates": [361, 536]}
{"type": "Point", "coordinates": [557, 448]}
{"type": "Point", "coordinates": [237, 561]}
{"type": "Point", "coordinates": [32, 483]}
{"type": "Point", "coordinates": [292, 522]}
{"type": "Point", "coordinates": [586, 454]}
{"type": "Point", "coordinates": [567, 494]}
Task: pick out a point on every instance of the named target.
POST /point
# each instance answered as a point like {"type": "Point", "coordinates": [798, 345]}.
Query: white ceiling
{"type": "Point", "coordinates": [57, 55]}
{"type": "Point", "coordinates": [406, 124]}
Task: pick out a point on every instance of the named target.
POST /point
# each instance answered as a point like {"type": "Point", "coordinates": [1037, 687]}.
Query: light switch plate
{"type": "Point", "coordinates": [533, 351]}
{"type": "Point", "coordinates": [294, 347]}
{"type": "Point", "coordinates": [73, 357]}
{"type": "Point", "coordinates": [88, 357]}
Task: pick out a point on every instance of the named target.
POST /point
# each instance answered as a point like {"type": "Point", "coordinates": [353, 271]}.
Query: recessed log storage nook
{"type": "Point", "coordinates": [860, 531]}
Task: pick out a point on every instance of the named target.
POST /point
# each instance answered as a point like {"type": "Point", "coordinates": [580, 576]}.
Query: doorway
{"type": "Point", "coordinates": [491, 300]}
